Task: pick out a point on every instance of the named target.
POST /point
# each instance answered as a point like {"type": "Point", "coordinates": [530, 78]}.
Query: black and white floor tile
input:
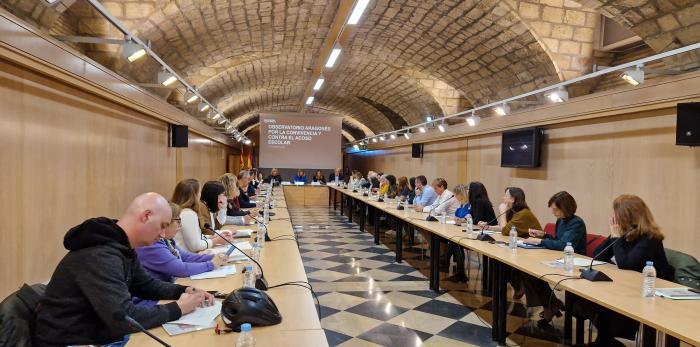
{"type": "Point", "coordinates": [369, 300]}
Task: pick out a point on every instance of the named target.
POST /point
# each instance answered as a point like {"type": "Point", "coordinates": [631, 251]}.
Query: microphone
{"type": "Point", "coordinates": [260, 283]}
{"type": "Point", "coordinates": [430, 218]}
{"type": "Point", "coordinates": [485, 237]}
{"type": "Point", "coordinates": [120, 316]}
{"type": "Point", "coordinates": [595, 275]}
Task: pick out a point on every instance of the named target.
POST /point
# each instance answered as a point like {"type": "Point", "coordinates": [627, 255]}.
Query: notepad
{"type": "Point", "coordinates": [202, 316]}
{"type": "Point", "coordinates": [582, 262]}
{"type": "Point", "coordinates": [216, 273]}
{"type": "Point", "coordinates": [243, 233]}
{"type": "Point", "coordinates": [677, 293]}
{"type": "Point", "coordinates": [178, 329]}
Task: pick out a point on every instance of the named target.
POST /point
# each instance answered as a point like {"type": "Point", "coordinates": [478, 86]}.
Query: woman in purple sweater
{"type": "Point", "coordinates": [165, 261]}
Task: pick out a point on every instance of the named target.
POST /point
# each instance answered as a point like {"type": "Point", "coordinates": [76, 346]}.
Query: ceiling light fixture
{"type": "Point", "coordinates": [407, 135]}
{"type": "Point", "coordinates": [357, 12]}
{"type": "Point", "coordinates": [193, 97]}
{"type": "Point", "coordinates": [319, 83]}
{"type": "Point", "coordinates": [502, 110]}
{"type": "Point", "coordinates": [382, 138]}
{"type": "Point", "coordinates": [356, 147]}
{"type": "Point", "coordinates": [310, 100]}
{"type": "Point", "coordinates": [428, 118]}
{"type": "Point", "coordinates": [633, 77]}
{"type": "Point", "coordinates": [335, 53]}
{"type": "Point", "coordinates": [166, 78]}
{"type": "Point", "coordinates": [133, 51]}
{"type": "Point", "coordinates": [247, 141]}
{"type": "Point", "coordinates": [393, 136]}
{"type": "Point", "coordinates": [560, 95]}
{"type": "Point", "coordinates": [203, 106]}
{"type": "Point", "coordinates": [442, 127]}
{"type": "Point", "coordinates": [473, 120]}
{"type": "Point", "coordinates": [422, 129]}
{"type": "Point", "coordinates": [374, 140]}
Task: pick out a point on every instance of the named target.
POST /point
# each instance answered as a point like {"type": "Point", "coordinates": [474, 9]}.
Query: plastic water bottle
{"type": "Point", "coordinates": [649, 285]}
{"type": "Point", "coordinates": [470, 225]}
{"type": "Point", "coordinates": [256, 255]}
{"type": "Point", "coordinates": [513, 245]}
{"type": "Point", "coordinates": [245, 339]}
{"type": "Point", "coordinates": [261, 234]}
{"type": "Point", "coordinates": [266, 213]}
{"type": "Point", "coordinates": [248, 277]}
{"type": "Point", "coordinates": [569, 258]}
{"type": "Point", "coordinates": [443, 217]}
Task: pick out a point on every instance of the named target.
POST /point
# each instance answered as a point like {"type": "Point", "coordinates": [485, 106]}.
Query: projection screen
{"type": "Point", "coordinates": [293, 140]}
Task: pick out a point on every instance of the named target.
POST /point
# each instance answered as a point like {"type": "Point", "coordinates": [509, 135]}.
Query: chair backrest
{"type": "Point", "coordinates": [593, 241]}
{"type": "Point", "coordinates": [550, 229]}
{"type": "Point", "coordinates": [17, 315]}
{"type": "Point", "coordinates": [687, 268]}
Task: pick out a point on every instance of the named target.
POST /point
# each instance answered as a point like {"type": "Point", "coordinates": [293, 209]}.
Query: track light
{"type": "Point", "coordinates": [133, 51]}
{"type": "Point", "coordinates": [428, 118]}
{"type": "Point", "coordinates": [633, 77]}
{"type": "Point", "coordinates": [203, 106]}
{"type": "Point", "coordinates": [319, 83]}
{"type": "Point", "coordinates": [473, 120]}
{"type": "Point", "coordinates": [247, 141]}
{"type": "Point", "coordinates": [333, 57]}
{"type": "Point", "coordinates": [166, 78]}
{"type": "Point", "coordinates": [407, 135]}
{"type": "Point", "coordinates": [193, 97]}
{"type": "Point", "coordinates": [230, 127]}
{"type": "Point", "coordinates": [216, 116]}
{"type": "Point", "coordinates": [222, 119]}
{"type": "Point", "coordinates": [422, 129]}
{"type": "Point", "coordinates": [502, 110]}
{"type": "Point", "coordinates": [392, 136]}
{"type": "Point", "coordinates": [374, 140]}
{"type": "Point", "coordinates": [356, 147]}
{"type": "Point", "coordinates": [442, 127]}
{"type": "Point", "coordinates": [382, 138]}
{"type": "Point", "coordinates": [357, 12]}
{"type": "Point", "coordinates": [310, 100]}
{"type": "Point", "coordinates": [560, 95]}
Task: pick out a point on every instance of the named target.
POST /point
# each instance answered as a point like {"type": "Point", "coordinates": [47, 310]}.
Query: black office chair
{"type": "Point", "coordinates": [17, 315]}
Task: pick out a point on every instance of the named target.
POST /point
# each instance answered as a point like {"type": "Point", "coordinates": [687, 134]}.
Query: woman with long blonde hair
{"type": "Point", "coordinates": [186, 195]}
{"type": "Point", "coordinates": [234, 213]}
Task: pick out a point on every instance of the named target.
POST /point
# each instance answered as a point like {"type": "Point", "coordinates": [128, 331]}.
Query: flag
{"type": "Point", "coordinates": [250, 158]}
{"type": "Point", "coordinates": [241, 161]}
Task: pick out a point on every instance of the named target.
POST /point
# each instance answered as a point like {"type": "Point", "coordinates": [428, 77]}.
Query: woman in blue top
{"type": "Point", "coordinates": [570, 228]}
{"type": "Point", "coordinates": [300, 176]}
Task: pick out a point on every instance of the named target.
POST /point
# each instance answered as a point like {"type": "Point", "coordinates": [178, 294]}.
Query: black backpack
{"type": "Point", "coordinates": [17, 316]}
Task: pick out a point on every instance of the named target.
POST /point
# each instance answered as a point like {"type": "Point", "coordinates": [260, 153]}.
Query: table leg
{"type": "Point", "coordinates": [648, 336]}
{"type": "Point", "coordinates": [568, 326]}
{"type": "Point", "coordinates": [499, 301]}
{"type": "Point", "coordinates": [434, 263]}
{"type": "Point", "coordinates": [363, 216]}
{"type": "Point", "coordinates": [485, 276]}
{"type": "Point", "coordinates": [672, 341]}
{"type": "Point", "coordinates": [351, 206]}
{"type": "Point", "coordinates": [399, 240]}
{"type": "Point", "coordinates": [376, 226]}
{"type": "Point", "coordinates": [342, 204]}
{"type": "Point", "coordinates": [330, 197]}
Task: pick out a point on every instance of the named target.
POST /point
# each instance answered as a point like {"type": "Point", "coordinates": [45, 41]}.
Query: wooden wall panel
{"type": "Point", "coordinates": [595, 160]}
{"type": "Point", "coordinates": [68, 155]}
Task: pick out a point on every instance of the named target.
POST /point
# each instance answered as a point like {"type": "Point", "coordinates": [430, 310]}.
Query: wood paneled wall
{"type": "Point", "coordinates": [595, 160]}
{"type": "Point", "coordinates": [67, 155]}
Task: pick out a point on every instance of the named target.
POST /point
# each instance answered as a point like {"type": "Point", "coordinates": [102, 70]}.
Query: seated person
{"type": "Point", "coordinates": [393, 189]}
{"type": "Point", "coordinates": [403, 189]}
{"type": "Point", "coordinates": [300, 176]}
{"type": "Point", "coordinates": [425, 195]}
{"type": "Point", "coordinates": [638, 239]}
{"type": "Point", "coordinates": [370, 176]}
{"type": "Point", "coordinates": [336, 177]}
{"type": "Point", "coordinates": [187, 196]}
{"type": "Point", "coordinates": [318, 177]}
{"type": "Point", "coordinates": [274, 176]}
{"type": "Point", "coordinates": [213, 207]}
{"type": "Point", "coordinates": [569, 228]}
{"type": "Point", "coordinates": [412, 187]}
{"type": "Point", "coordinates": [383, 186]}
{"type": "Point", "coordinates": [92, 286]}
{"type": "Point", "coordinates": [234, 214]}
{"type": "Point", "coordinates": [445, 201]}
{"type": "Point", "coordinates": [165, 261]}
{"type": "Point", "coordinates": [243, 199]}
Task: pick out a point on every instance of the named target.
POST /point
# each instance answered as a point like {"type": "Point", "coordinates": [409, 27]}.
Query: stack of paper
{"type": "Point", "coordinates": [243, 233]}
{"type": "Point", "coordinates": [199, 319]}
{"type": "Point", "coordinates": [216, 273]}
{"type": "Point", "coordinates": [678, 293]}
{"type": "Point", "coordinates": [583, 262]}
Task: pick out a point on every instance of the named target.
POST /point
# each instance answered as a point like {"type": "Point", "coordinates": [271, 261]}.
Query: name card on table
{"type": "Point", "coordinates": [298, 183]}
{"type": "Point", "coordinates": [315, 183]}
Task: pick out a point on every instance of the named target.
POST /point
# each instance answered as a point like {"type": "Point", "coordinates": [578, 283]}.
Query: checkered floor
{"type": "Point", "coordinates": [369, 300]}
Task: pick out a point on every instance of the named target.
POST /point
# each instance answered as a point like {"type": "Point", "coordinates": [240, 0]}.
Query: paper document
{"type": "Point", "coordinates": [243, 233]}
{"type": "Point", "coordinates": [202, 316]}
{"type": "Point", "coordinates": [177, 329]}
{"type": "Point", "coordinates": [582, 262]}
{"type": "Point", "coordinates": [677, 293]}
{"type": "Point", "coordinates": [217, 273]}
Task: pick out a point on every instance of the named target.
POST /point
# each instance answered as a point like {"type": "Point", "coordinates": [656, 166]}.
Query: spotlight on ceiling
{"type": "Point", "coordinates": [374, 140]}
{"type": "Point", "coordinates": [356, 147]}
{"type": "Point", "coordinates": [422, 129]}
{"type": "Point", "coordinates": [407, 135]}
{"type": "Point", "coordinates": [428, 118]}
{"type": "Point", "coordinates": [203, 106]}
{"type": "Point", "coordinates": [382, 138]}
{"type": "Point", "coordinates": [310, 100]}
{"type": "Point", "coordinates": [166, 78]}
{"type": "Point", "coordinates": [319, 83]}
{"type": "Point", "coordinates": [357, 12]}
{"type": "Point", "coordinates": [335, 53]}
{"type": "Point", "coordinates": [393, 136]}
{"type": "Point", "coordinates": [560, 95]}
{"type": "Point", "coordinates": [191, 97]}
{"type": "Point", "coordinates": [502, 110]}
{"type": "Point", "coordinates": [133, 51]}
{"type": "Point", "coordinates": [216, 116]}
{"type": "Point", "coordinates": [247, 141]}
{"type": "Point", "coordinates": [442, 127]}
{"type": "Point", "coordinates": [473, 120]}
{"type": "Point", "coordinates": [633, 77]}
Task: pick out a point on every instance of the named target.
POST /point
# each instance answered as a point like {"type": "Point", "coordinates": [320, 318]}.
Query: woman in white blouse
{"type": "Point", "coordinates": [187, 196]}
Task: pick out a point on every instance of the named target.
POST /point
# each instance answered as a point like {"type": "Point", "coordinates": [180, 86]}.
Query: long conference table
{"type": "Point", "coordinates": [677, 319]}
{"type": "Point", "coordinates": [282, 263]}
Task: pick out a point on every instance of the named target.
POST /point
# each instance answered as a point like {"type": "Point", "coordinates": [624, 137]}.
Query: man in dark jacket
{"type": "Point", "coordinates": [336, 174]}
{"type": "Point", "coordinates": [243, 197]}
{"type": "Point", "coordinates": [91, 288]}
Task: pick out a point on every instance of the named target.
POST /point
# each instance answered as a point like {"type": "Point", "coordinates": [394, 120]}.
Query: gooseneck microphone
{"type": "Point", "coordinates": [595, 275]}
{"type": "Point", "coordinates": [430, 218]}
{"type": "Point", "coordinates": [486, 237]}
{"type": "Point", "coordinates": [260, 283]}
{"type": "Point", "coordinates": [121, 316]}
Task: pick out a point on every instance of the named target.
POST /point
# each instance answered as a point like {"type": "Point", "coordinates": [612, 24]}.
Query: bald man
{"type": "Point", "coordinates": [91, 289]}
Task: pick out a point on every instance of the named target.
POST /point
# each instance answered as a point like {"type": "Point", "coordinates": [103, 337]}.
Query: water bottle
{"type": "Point", "coordinates": [245, 339]}
{"type": "Point", "coordinates": [266, 214]}
{"type": "Point", "coordinates": [513, 245]}
{"type": "Point", "coordinates": [257, 249]}
{"type": "Point", "coordinates": [443, 217]}
{"type": "Point", "coordinates": [649, 285]}
{"type": "Point", "coordinates": [248, 277]}
{"type": "Point", "coordinates": [470, 225]}
{"type": "Point", "coordinates": [569, 258]}
{"type": "Point", "coordinates": [261, 234]}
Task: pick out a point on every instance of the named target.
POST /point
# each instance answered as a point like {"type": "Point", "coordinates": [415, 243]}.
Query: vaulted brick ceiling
{"type": "Point", "coordinates": [403, 61]}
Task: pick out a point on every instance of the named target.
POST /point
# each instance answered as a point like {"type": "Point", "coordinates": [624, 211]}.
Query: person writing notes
{"type": "Point", "coordinates": [187, 196]}
{"type": "Point", "coordinates": [165, 261]}
{"type": "Point", "coordinates": [91, 289]}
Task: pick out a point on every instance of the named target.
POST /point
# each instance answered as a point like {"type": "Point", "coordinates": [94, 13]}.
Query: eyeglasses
{"type": "Point", "coordinates": [178, 220]}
